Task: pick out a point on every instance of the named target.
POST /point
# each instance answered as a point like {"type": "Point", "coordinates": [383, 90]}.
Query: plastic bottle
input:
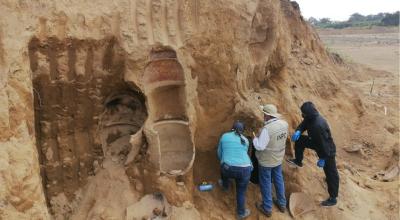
{"type": "Point", "coordinates": [205, 187]}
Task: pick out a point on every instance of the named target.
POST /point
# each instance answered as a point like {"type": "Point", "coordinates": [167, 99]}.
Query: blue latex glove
{"type": "Point", "coordinates": [296, 136]}
{"type": "Point", "coordinates": [321, 163]}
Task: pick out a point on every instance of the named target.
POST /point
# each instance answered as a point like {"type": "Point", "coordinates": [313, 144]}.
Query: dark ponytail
{"type": "Point", "coordinates": [238, 128]}
{"type": "Point", "coordinates": [242, 141]}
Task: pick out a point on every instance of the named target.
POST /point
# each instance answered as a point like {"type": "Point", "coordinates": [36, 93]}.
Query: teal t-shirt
{"type": "Point", "coordinates": [232, 152]}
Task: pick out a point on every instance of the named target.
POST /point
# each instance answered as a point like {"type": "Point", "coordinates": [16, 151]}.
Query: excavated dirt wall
{"type": "Point", "coordinates": [112, 105]}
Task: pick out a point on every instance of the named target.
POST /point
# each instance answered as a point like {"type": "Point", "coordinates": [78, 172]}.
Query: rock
{"type": "Point", "coordinates": [96, 166]}
{"type": "Point", "coordinates": [157, 212]}
{"type": "Point", "coordinates": [307, 61]}
{"type": "Point", "coordinates": [295, 50]}
{"type": "Point", "coordinates": [136, 142]}
{"type": "Point", "coordinates": [115, 159]}
{"type": "Point", "coordinates": [354, 148]}
{"type": "Point", "coordinates": [175, 172]}
{"type": "Point", "coordinates": [392, 173]}
{"type": "Point", "coordinates": [15, 199]}
{"type": "Point", "coordinates": [341, 165]}
{"type": "Point", "coordinates": [187, 205]}
{"type": "Point", "coordinates": [180, 183]}
{"type": "Point", "coordinates": [49, 154]}
{"type": "Point", "coordinates": [149, 207]}
{"type": "Point", "coordinates": [136, 172]}
{"type": "Point", "coordinates": [139, 186]}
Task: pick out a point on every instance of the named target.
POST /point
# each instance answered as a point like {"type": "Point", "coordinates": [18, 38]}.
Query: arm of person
{"type": "Point", "coordinates": [301, 127]}
{"type": "Point", "coordinates": [219, 151]}
{"type": "Point", "coordinates": [261, 142]}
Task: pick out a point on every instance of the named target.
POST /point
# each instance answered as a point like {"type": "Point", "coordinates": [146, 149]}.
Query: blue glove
{"type": "Point", "coordinates": [296, 136]}
{"type": "Point", "coordinates": [321, 163]}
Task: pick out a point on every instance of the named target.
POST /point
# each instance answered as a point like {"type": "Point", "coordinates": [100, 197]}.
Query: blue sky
{"type": "Point", "coordinates": [340, 10]}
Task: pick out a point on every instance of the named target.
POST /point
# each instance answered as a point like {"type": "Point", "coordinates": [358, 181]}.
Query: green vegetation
{"type": "Point", "coordinates": [358, 20]}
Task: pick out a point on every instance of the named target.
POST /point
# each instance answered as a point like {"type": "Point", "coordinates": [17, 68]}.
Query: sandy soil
{"type": "Point", "coordinates": [377, 47]}
{"type": "Point", "coordinates": [364, 192]}
{"type": "Point", "coordinates": [79, 105]}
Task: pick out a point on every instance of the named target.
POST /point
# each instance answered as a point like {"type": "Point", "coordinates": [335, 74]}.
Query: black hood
{"type": "Point", "coordinates": [309, 111]}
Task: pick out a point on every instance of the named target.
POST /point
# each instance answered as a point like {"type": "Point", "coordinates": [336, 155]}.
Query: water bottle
{"type": "Point", "coordinates": [205, 187]}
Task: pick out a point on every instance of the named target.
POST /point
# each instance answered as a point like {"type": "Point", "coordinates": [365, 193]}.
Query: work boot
{"type": "Point", "coordinates": [294, 163]}
{"type": "Point", "coordinates": [329, 202]}
{"type": "Point", "coordinates": [262, 210]}
{"type": "Point", "coordinates": [280, 207]}
{"type": "Point", "coordinates": [245, 215]}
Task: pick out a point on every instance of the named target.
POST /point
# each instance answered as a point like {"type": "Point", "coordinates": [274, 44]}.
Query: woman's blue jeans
{"type": "Point", "coordinates": [241, 175]}
{"type": "Point", "coordinates": [267, 175]}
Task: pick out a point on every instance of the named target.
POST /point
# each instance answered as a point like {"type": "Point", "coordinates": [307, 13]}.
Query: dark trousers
{"type": "Point", "coordinates": [241, 175]}
{"type": "Point", "coordinates": [330, 170]}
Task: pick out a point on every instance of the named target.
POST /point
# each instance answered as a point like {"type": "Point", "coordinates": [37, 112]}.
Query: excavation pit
{"type": "Point", "coordinates": [84, 110]}
{"type": "Point", "coordinates": [124, 115]}
{"type": "Point", "coordinates": [164, 84]}
{"type": "Point", "coordinates": [168, 102]}
{"type": "Point", "coordinates": [176, 146]}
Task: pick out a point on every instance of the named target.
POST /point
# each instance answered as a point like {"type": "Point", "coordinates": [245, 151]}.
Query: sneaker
{"type": "Point", "coordinates": [280, 207]}
{"type": "Point", "coordinates": [329, 202]}
{"type": "Point", "coordinates": [245, 215]}
{"type": "Point", "coordinates": [262, 210]}
{"type": "Point", "coordinates": [224, 189]}
{"type": "Point", "coordinates": [294, 163]}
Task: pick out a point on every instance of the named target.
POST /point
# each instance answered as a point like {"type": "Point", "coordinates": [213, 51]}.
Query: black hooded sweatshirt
{"type": "Point", "coordinates": [318, 131]}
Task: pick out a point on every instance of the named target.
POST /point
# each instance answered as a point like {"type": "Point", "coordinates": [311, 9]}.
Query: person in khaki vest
{"type": "Point", "coordinates": [270, 145]}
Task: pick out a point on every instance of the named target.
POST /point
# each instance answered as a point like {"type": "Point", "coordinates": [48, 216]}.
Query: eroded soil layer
{"type": "Point", "coordinates": [82, 107]}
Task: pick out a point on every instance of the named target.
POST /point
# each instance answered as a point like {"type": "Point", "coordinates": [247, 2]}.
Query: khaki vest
{"type": "Point", "coordinates": [273, 154]}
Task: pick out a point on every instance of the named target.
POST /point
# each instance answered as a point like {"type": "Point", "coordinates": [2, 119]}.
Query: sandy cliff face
{"type": "Point", "coordinates": [105, 102]}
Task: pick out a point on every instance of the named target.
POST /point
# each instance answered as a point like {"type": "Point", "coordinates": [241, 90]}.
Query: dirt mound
{"type": "Point", "coordinates": [106, 104]}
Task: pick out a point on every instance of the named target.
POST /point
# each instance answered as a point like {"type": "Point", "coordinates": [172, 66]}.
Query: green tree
{"type": "Point", "coordinates": [391, 19]}
{"type": "Point", "coordinates": [313, 21]}
{"type": "Point", "coordinates": [325, 21]}
{"type": "Point", "coordinates": [356, 17]}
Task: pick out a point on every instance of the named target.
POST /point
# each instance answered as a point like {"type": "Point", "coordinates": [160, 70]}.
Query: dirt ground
{"type": "Point", "coordinates": [376, 47]}
{"type": "Point", "coordinates": [369, 181]}
{"type": "Point", "coordinates": [99, 97]}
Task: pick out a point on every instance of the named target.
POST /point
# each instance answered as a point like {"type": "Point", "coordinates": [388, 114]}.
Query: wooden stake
{"type": "Point", "coordinates": [372, 86]}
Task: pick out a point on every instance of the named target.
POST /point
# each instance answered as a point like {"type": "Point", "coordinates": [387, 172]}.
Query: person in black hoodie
{"type": "Point", "coordinates": [320, 140]}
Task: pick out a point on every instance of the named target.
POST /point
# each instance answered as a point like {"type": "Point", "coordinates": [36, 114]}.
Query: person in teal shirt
{"type": "Point", "coordinates": [235, 164]}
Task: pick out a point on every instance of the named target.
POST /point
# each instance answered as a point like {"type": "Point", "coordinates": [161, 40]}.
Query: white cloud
{"type": "Point", "coordinates": [342, 9]}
